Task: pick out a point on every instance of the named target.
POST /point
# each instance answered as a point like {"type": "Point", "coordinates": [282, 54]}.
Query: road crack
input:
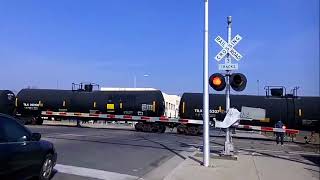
{"type": "Point", "coordinates": [255, 166]}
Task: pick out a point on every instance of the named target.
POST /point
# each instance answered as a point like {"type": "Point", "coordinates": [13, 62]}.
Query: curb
{"type": "Point", "coordinates": [168, 176]}
{"type": "Point", "coordinates": [167, 168]}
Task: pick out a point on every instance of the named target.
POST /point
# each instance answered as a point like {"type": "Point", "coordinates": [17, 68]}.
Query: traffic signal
{"type": "Point", "coordinates": [238, 81]}
{"type": "Point", "coordinates": [217, 81]}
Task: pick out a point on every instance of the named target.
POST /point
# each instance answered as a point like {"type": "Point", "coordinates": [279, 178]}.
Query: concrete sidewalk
{"type": "Point", "coordinates": [247, 167]}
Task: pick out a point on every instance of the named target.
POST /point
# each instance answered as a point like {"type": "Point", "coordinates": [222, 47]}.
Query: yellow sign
{"type": "Point", "coordinates": [110, 106]}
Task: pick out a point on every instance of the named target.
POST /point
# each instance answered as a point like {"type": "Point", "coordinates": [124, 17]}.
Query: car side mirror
{"type": "Point", "coordinates": [36, 136]}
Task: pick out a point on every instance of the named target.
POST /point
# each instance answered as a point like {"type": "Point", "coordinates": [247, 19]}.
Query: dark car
{"type": "Point", "coordinates": [22, 154]}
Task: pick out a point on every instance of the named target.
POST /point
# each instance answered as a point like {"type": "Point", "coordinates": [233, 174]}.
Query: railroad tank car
{"type": "Point", "coordinates": [138, 103]}
{"type": "Point", "coordinates": [308, 112]}
{"type": "Point", "coordinates": [30, 102]}
{"type": "Point", "coordinates": [7, 102]}
{"type": "Point", "coordinates": [298, 112]}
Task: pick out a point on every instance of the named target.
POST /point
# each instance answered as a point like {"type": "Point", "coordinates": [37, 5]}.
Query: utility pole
{"type": "Point", "coordinates": [258, 86]}
{"type": "Point", "coordinates": [206, 142]}
{"type": "Point", "coordinates": [134, 81]}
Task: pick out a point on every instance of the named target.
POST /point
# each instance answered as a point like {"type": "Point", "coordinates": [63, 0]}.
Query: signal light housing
{"type": "Point", "coordinates": [238, 81]}
{"type": "Point", "coordinates": [217, 81]}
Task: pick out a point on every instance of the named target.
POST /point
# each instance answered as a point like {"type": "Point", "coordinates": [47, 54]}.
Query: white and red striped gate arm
{"type": "Point", "coordinates": [159, 119]}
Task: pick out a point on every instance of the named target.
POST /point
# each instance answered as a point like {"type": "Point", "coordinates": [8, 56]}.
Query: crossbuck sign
{"type": "Point", "coordinates": [228, 48]}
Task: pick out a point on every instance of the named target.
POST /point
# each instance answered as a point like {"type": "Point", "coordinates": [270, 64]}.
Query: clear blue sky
{"type": "Point", "coordinates": [46, 44]}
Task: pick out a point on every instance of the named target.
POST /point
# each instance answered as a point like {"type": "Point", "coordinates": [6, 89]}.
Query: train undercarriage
{"type": "Point", "coordinates": [152, 127]}
{"type": "Point", "coordinates": [186, 129]}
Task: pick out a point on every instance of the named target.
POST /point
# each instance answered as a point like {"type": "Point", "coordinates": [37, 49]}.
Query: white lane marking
{"type": "Point", "coordinates": [93, 173]}
{"type": "Point", "coordinates": [79, 135]}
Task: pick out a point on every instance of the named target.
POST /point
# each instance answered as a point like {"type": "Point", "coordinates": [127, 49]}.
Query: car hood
{"type": "Point", "coordinates": [46, 144]}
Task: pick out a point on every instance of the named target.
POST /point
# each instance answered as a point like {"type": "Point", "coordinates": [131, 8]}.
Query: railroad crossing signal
{"type": "Point", "coordinates": [228, 48]}
{"type": "Point", "coordinates": [238, 81]}
{"type": "Point", "coordinates": [217, 81]}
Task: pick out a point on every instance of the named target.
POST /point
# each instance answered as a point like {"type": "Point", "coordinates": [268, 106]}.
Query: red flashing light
{"type": "Point", "coordinates": [217, 81]}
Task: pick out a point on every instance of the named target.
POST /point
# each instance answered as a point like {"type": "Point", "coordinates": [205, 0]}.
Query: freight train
{"type": "Point", "coordinates": [150, 107]}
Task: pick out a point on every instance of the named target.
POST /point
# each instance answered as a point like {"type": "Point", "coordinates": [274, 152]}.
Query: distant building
{"type": "Point", "coordinates": [172, 105]}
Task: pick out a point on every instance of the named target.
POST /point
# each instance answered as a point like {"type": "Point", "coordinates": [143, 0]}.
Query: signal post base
{"type": "Point", "coordinates": [228, 149]}
{"type": "Point", "coordinates": [228, 157]}
{"type": "Point", "coordinates": [214, 156]}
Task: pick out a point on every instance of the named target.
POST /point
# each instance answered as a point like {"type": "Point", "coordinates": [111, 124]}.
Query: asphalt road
{"type": "Point", "coordinates": [85, 153]}
{"type": "Point", "coordinates": [120, 151]}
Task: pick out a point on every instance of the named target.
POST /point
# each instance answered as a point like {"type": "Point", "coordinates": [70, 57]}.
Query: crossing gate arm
{"type": "Point", "coordinates": [268, 129]}
{"type": "Point", "coordinates": [162, 119]}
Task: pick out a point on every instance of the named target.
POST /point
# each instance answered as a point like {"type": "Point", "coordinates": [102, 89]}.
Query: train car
{"type": "Point", "coordinates": [295, 112]}
{"type": "Point", "coordinates": [31, 102]}
{"type": "Point", "coordinates": [7, 102]}
{"type": "Point", "coordinates": [136, 103]}
{"type": "Point", "coordinates": [307, 110]}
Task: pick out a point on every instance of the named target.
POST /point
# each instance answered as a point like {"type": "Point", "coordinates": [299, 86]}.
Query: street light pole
{"type": "Point", "coordinates": [258, 86]}
{"type": "Point", "coordinates": [145, 80]}
{"type": "Point", "coordinates": [206, 142]}
{"type": "Point", "coordinates": [135, 79]}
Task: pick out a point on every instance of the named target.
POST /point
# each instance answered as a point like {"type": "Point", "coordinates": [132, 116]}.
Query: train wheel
{"type": "Point", "coordinates": [193, 130]}
{"type": "Point", "coordinates": [39, 121]}
{"type": "Point", "coordinates": [147, 128]}
{"type": "Point", "coordinates": [181, 129]}
{"type": "Point", "coordinates": [138, 126]}
{"type": "Point", "coordinates": [155, 127]}
{"type": "Point", "coordinates": [162, 128]}
{"type": "Point", "coordinates": [33, 121]}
